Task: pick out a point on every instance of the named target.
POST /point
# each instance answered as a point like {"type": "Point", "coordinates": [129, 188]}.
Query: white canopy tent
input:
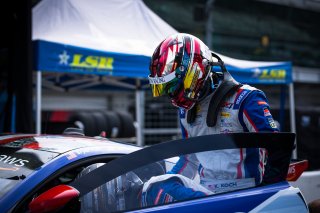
{"type": "Point", "coordinates": [106, 28]}
{"type": "Point", "coordinates": [120, 26]}
{"type": "Point", "coordinates": [115, 39]}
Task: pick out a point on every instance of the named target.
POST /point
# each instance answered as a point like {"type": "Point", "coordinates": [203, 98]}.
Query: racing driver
{"type": "Point", "coordinates": [210, 101]}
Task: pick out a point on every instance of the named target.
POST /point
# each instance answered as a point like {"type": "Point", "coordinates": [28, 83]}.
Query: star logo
{"type": "Point", "coordinates": [64, 57]}
{"type": "Point", "coordinates": [256, 72]}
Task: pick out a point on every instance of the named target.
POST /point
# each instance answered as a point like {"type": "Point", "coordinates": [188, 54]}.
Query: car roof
{"type": "Point", "coordinates": [63, 143]}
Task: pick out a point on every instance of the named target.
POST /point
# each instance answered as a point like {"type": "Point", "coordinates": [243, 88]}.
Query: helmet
{"type": "Point", "coordinates": [178, 68]}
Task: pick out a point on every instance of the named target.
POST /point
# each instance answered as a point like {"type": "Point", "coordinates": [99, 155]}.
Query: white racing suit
{"type": "Point", "coordinates": [247, 110]}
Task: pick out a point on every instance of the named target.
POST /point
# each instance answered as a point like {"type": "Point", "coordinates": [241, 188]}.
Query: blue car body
{"type": "Point", "coordinates": [280, 197]}
{"type": "Point", "coordinates": [63, 153]}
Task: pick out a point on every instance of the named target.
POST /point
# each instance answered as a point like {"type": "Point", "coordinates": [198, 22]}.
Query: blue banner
{"type": "Point", "coordinates": [277, 74]}
{"type": "Point", "coordinates": [57, 57]}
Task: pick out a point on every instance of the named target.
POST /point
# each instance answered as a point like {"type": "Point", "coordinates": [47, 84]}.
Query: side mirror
{"type": "Point", "coordinates": [57, 198]}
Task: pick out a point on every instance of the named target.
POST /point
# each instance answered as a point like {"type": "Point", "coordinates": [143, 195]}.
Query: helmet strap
{"type": "Point", "coordinates": [191, 114]}
{"type": "Point", "coordinates": [224, 85]}
{"type": "Point", "coordinates": [227, 87]}
{"type": "Point", "coordinates": [206, 90]}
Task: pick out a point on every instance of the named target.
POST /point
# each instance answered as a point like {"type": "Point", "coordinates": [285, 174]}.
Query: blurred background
{"type": "Point", "coordinates": [265, 30]}
{"type": "Point", "coordinates": [255, 30]}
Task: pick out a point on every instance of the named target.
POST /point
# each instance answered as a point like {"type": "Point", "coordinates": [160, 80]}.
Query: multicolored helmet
{"type": "Point", "coordinates": [178, 69]}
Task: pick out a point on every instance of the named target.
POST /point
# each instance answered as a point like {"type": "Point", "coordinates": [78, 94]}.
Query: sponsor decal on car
{"type": "Point", "coordinates": [7, 159]}
{"type": "Point", "coordinates": [71, 156]}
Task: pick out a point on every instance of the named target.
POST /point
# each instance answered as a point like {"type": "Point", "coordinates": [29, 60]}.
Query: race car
{"type": "Point", "coordinates": [75, 173]}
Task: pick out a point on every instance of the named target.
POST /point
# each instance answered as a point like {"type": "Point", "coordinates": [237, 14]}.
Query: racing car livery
{"type": "Point", "coordinates": [69, 173]}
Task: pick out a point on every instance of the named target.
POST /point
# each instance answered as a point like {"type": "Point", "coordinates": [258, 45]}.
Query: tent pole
{"type": "Point", "coordinates": [139, 114]}
{"type": "Point", "coordinates": [38, 109]}
{"type": "Point", "coordinates": [292, 117]}
{"type": "Point", "coordinates": [282, 106]}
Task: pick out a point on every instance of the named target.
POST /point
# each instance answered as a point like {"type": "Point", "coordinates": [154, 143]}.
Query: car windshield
{"type": "Point", "coordinates": [17, 162]}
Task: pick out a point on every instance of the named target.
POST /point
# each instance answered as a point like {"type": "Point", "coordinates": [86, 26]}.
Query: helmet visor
{"type": "Point", "coordinates": [163, 85]}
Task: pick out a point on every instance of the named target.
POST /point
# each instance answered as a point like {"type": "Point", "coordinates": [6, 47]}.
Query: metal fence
{"type": "Point", "coordinates": [160, 120]}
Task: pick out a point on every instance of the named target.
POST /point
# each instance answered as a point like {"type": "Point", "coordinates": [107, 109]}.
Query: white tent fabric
{"type": "Point", "coordinates": [111, 26]}
{"type": "Point", "coordinates": [117, 26]}
{"type": "Point", "coordinates": [245, 64]}
{"type": "Point", "coordinates": [122, 26]}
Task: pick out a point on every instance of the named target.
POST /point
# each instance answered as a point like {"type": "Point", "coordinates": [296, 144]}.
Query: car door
{"type": "Point", "coordinates": [119, 184]}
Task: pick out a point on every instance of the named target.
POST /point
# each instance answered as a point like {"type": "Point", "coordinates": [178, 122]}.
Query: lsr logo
{"type": "Point", "coordinates": [273, 73]}
{"type": "Point", "coordinates": [89, 61]}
